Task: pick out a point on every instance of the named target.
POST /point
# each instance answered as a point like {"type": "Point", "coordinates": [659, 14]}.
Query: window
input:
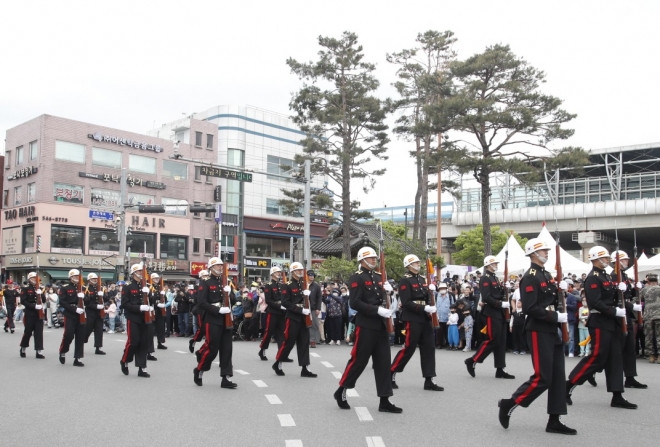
{"type": "Point", "coordinates": [135, 242]}
{"type": "Point", "coordinates": [18, 195]}
{"type": "Point", "coordinates": [207, 246]}
{"type": "Point", "coordinates": [272, 207]}
{"type": "Point", "coordinates": [209, 141]}
{"type": "Point", "coordinates": [209, 214]}
{"type": "Point", "coordinates": [7, 159]}
{"type": "Point", "coordinates": [68, 193]}
{"type": "Point", "coordinates": [279, 165]}
{"type": "Point", "coordinates": [198, 139]}
{"type": "Point", "coordinates": [181, 208]}
{"type": "Point", "coordinates": [5, 197]}
{"type": "Point", "coordinates": [34, 150]}
{"type": "Point", "coordinates": [235, 157]}
{"type": "Point", "coordinates": [198, 173]}
{"type": "Point", "coordinates": [281, 248]}
{"type": "Point", "coordinates": [32, 192]}
{"type": "Point", "coordinates": [19, 155]}
{"type": "Point", "coordinates": [69, 152]}
{"type": "Point", "coordinates": [106, 157]}
{"type": "Point", "coordinates": [258, 247]}
{"type": "Point", "coordinates": [138, 163]}
{"type": "Point", "coordinates": [196, 214]}
{"type": "Point", "coordinates": [173, 247]}
{"type": "Point", "coordinates": [28, 239]}
{"type": "Point", "coordinates": [177, 171]}
{"type": "Point", "coordinates": [105, 198]}
{"type": "Point", "coordinates": [141, 199]}
{"type": "Point", "coordinates": [195, 245]}
{"type": "Point", "coordinates": [66, 239]}
{"type": "Point", "coordinates": [103, 242]}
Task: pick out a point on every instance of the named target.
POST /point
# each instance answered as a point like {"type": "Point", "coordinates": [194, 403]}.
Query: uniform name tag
{"type": "Point", "coordinates": [529, 289]}
{"type": "Point", "coordinates": [594, 286]}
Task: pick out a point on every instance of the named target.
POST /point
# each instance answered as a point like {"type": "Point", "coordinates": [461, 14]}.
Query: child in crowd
{"type": "Point", "coordinates": [516, 328]}
{"type": "Point", "coordinates": [452, 328]}
{"type": "Point", "coordinates": [468, 324]}
{"type": "Point", "coordinates": [112, 314]}
{"type": "Point", "coordinates": [582, 328]}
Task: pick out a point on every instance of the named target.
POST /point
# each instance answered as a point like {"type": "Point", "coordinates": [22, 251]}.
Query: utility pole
{"type": "Point", "coordinates": [121, 225]}
{"type": "Point", "coordinates": [438, 231]}
{"type": "Point", "coordinates": [306, 210]}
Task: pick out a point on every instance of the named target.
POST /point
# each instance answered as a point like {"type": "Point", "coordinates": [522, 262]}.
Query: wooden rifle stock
{"type": "Point", "coordinates": [308, 318]}
{"type": "Point", "coordinates": [163, 311]}
{"type": "Point", "coordinates": [226, 302]}
{"type": "Point", "coordinates": [148, 317]}
{"type": "Point", "coordinates": [565, 336]}
{"type": "Point", "coordinates": [99, 299]}
{"type": "Point", "coordinates": [622, 304]}
{"type": "Point", "coordinates": [39, 300]}
{"type": "Point", "coordinates": [383, 274]}
{"type": "Point", "coordinates": [434, 316]}
{"type": "Point", "coordinates": [81, 304]}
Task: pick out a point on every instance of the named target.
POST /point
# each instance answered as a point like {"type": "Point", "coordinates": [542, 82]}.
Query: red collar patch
{"type": "Point", "coordinates": [544, 284]}
{"type": "Point", "coordinates": [606, 283]}
{"type": "Point", "coordinates": [529, 289]}
{"type": "Point", "coordinates": [485, 284]}
{"type": "Point", "coordinates": [354, 284]}
{"type": "Point", "coordinates": [594, 286]}
{"type": "Point", "coordinates": [403, 287]}
{"type": "Point", "coordinates": [414, 286]}
{"type": "Point", "coordinates": [211, 288]}
{"type": "Point", "coordinates": [368, 283]}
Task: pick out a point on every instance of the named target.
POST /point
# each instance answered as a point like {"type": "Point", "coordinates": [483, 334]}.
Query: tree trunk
{"type": "Point", "coordinates": [418, 193]}
{"type": "Point", "coordinates": [346, 209]}
{"type": "Point", "coordinates": [485, 211]}
{"type": "Point", "coordinates": [424, 205]}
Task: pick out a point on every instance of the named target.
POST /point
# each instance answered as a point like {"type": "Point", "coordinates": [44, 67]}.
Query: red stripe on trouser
{"type": "Point", "coordinates": [591, 360]}
{"type": "Point", "coordinates": [128, 342]}
{"type": "Point", "coordinates": [286, 338]}
{"type": "Point", "coordinates": [484, 345]}
{"type": "Point", "coordinates": [207, 351]}
{"type": "Point", "coordinates": [537, 369]}
{"type": "Point", "coordinates": [63, 336]}
{"type": "Point", "coordinates": [402, 352]}
{"type": "Point", "coordinates": [353, 357]}
{"type": "Point", "coordinates": [266, 332]}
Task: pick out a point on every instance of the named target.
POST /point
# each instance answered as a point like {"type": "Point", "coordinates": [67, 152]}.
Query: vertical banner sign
{"type": "Point", "coordinates": [218, 214]}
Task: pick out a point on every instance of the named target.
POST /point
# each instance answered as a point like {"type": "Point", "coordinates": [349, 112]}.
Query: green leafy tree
{"type": "Point", "coordinates": [470, 245]}
{"type": "Point", "coordinates": [502, 115]}
{"type": "Point", "coordinates": [337, 108]}
{"type": "Point", "coordinates": [337, 268]}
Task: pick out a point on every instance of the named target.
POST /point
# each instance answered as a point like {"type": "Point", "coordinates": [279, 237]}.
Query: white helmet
{"type": "Point", "coordinates": [488, 260]}
{"type": "Point", "coordinates": [598, 252]}
{"type": "Point", "coordinates": [274, 269]}
{"type": "Point", "coordinates": [32, 275]}
{"type": "Point", "coordinates": [296, 266]}
{"type": "Point", "coordinates": [136, 268]}
{"type": "Point", "coordinates": [620, 255]}
{"type": "Point", "coordinates": [366, 252]}
{"type": "Point", "coordinates": [92, 276]}
{"type": "Point", "coordinates": [155, 275]}
{"type": "Point", "coordinates": [203, 273]}
{"type": "Point", "coordinates": [535, 244]}
{"type": "Point", "coordinates": [409, 260]}
{"type": "Point", "coordinates": [74, 272]}
{"type": "Point", "coordinates": [214, 261]}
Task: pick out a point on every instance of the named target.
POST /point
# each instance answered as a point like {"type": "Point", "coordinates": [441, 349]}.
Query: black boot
{"type": "Point", "coordinates": [632, 383]}
{"type": "Point", "coordinates": [340, 397]}
{"type": "Point", "coordinates": [77, 362]}
{"type": "Point", "coordinates": [151, 357]}
{"type": "Point", "coordinates": [286, 360]}
{"type": "Point", "coordinates": [62, 358]}
{"type": "Point", "coordinates": [191, 346]}
{"type": "Point", "coordinates": [197, 376]}
{"type": "Point", "coordinates": [387, 406]}
{"type": "Point", "coordinates": [262, 355]}
{"type": "Point", "coordinates": [22, 352]}
{"type": "Point", "coordinates": [501, 374]}
{"type": "Point", "coordinates": [569, 391]}
{"type": "Point", "coordinates": [506, 409]}
{"type": "Point", "coordinates": [99, 352]}
{"type": "Point", "coordinates": [278, 369]}
{"type": "Point", "coordinates": [40, 355]}
{"type": "Point", "coordinates": [556, 426]}
{"type": "Point", "coordinates": [161, 346]}
{"type": "Point", "coordinates": [307, 373]}
{"type": "Point", "coordinates": [618, 401]}
{"type": "Point", "coordinates": [470, 366]}
{"type": "Point", "coordinates": [143, 373]}
{"type": "Point", "coordinates": [199, 356]}
{"type": "Point", "coordinates": [430, 385]}
{"type": "Point", "coordinates": [592, 380]}
{"type": "Point", "coordinates": [394, 385]}
{"type": "Point", "coordinates": [124, 368]}
{"type": "Point", "coordinates": [226, 383]}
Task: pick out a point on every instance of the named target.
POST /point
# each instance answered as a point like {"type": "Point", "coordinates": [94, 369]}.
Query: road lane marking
{"type": "Point", "coordinates": [294, 443]}
{"type": "Point", "coordinates": [260, 383]}
{"type": "Point", "coordinates": [352, 393]}
{"type": "Point", "coordinates": [286, 420]}
{"type": "Point", "coordinates": [241, 372]}
{"type": "Point", "coordinates": [181, 352]}
{"type": "Point", "coordinates": [363, 414]}
{"type": "Point", "coordinates": [314, 354]}
{"type": "Point", "coordinates": [273, 399]}
{"type": "Point", "coordinates": [375, 441]}
{"type": "Point", "coordinates": [327, 364]}
{"type": "Point", "coordinates": [337, 374]}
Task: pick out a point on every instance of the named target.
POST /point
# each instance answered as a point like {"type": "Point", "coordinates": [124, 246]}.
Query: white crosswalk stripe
{"type": "Point", "coordinates": [352, 393]}
{"type": "Point", "coordinates": [293, 443]}
{"type": "Point", "coordinates": [363, 414]}
{"type": "Point", "coordinates": [260, 383]}
{"type": "Point", "coordinates": [337, 374]}
{"type": "Point", "coordinates": [273, 399]}
{"type": "Point", "coordinates": [375, 441]}
{"type": "Point", "coordinates": [286, 420]}
{"type": "Point", "coordinates": [241, 372]}
{"type": "Point", "coordinates": [327, 364]}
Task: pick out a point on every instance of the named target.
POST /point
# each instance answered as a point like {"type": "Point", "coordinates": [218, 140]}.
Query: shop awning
{"type": "Point", "coordinates": [64, 274]}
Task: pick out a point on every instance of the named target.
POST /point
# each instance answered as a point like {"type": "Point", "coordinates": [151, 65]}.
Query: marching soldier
{"type": "Point", "coordinates": [159, 326]}
{"type": "Point", "coordinates": [495, 299]}
{"type": "Point", "coordinates": [295, 332]}
{"type": "Point", "coordinates": [93, 312]}
{"type": "Point", "coordinates": [651, 296]}
{"type": "Point", "coordinates": [73, 328]}
{"type": "Point", "coordinates": [275, 313]}
{"type": "Point", "coordinates": [416, 315]}
{"type": "Point", "coordinates": [10, 295]}
{"type": "Point", "coordinates": [199, 333]}
{"type": "Point", "coordinates": [538, 294]}
{"type": "Point", "coordinates": [33, 324]}
{"type": "Point", "coordinates": [218, 336]}
{"type": "Point", "coordinates": [138, 331]}
{"type": "Point", "coordinates": [604, 325]}
{"type": "Point", "coordinates": [371, 337]}
{"type": "Point", "coordinates": [629, 294]}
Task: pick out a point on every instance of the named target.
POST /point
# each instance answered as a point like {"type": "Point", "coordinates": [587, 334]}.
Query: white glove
{"type": "Point", "coordinates": [227, 289]}
{"type": "Point", "coordinates": [38, 306]}
{"type": "Point", "coordinates": [562, 318]}
{"type": "Point", "coordinates": [637, 307]}
{"type": "Point", "coordinates": [430, 309]}
{"type": "Point", "coordinates": [505, 305]}
{"type": "Point", "coordinates": [99, 306]}
{"type": "Point", "coordinates": [81, 295]}
{"type": "Point", "coordinates": [100, 293]}
{"type": "Point", "coordinates": [151, 308]}
{"type": "Point", "coordinates": [283, 308]}
{"type": "Point", "coordinates": [620, 312]}
{"type": "Point", "coordinates": [225, 310]}
{"type": "Point", "coordinates": [145, 289]}
{"type": "Point", "coordinates": [623, 286]}
{"type": "Point", "coordinates": [161, 305]}
{"type": "Point", "coordinates": [162, 292]}
{"type": "Point", "coordinates": [432, 287]}
{"type": "Point", "coordinates": [80, 310]}
{"type": "Point", "coordinates": [306, 311]}
{"type": "Point", "coordinates": [387, 287]}
{"type": "Point", "coordinates": [306, 292]}
{"type": "Point", "coordinates": [144, 308]}
{"type": "Point", "coordinates": [639, 285]}
{"type": "Point", "coordinates": [563, 286]}
{"type": "Point", "coordinates": [39, 291]}
{"type": "Point", "coordinates": [385, 313]}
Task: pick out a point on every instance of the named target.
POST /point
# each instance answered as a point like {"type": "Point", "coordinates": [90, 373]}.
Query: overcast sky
{"type": "Point", "coordinates": [133, 64]}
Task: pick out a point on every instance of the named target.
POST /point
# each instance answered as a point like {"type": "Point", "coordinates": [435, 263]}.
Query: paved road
{"type": "Point", "coordinates": [98, 406]}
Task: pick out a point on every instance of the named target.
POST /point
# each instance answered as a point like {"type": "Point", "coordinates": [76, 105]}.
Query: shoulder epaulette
{"type": "Point", "coordinates": [407, 275]}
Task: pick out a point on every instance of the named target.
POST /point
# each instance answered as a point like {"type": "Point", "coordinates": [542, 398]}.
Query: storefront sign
{"type": "Point", "coordinates": [168, 265]}
{"type": "Point", "coordinates": [54, 219]}
{"type": "Point", "coordinates": [196, 267]}
{"type": "Point", "coordinates": [98, 136]}
{"type": "Point", "coordinates": [12, 240]}
{"type": "Point", "coordinates": [259, 263]}
{"type": "Point", "coordinates": [106, 198]}
{"type": "Point", "coordinates": [282, 227]}
{"type": "Point", "coordinates": [62, 261]}
{"type": "Point", "coordinates": [22, 173]}
{"type": "Point", "coordinates": [104, 215]}
{"type": "Point", "coordinates": [289, 227]}
{"type": "Point", "coordinates": [26, 211]}
{"type": "Point", "coordinates": [142, 225]}
{"type": "Point", "coordinates": [229, 224]}
{"type": "Point", "coordinates": [130, 180]}
{"type": "Point", "coordinates": [68, 193]}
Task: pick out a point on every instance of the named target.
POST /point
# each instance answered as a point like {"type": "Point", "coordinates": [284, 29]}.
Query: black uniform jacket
{"type": "Point", "coordinates": [601, 295]}
{"type": "Point", "coordinates": [366, 297]}
{"type": "Point", "coordinates": [29, 299]}
{"type": "Point", "coordinates": [538, 294]}
{"type": "Point", "coordinates": [414, 296]}
{"type": "Point", "coordinates": [293, 300]}
{"type": "Point", "coordinates": [131, 300]}
{"type": "Point", "coordinates": [273, 297]}
{"type": "Point", "coordinates": [69, 299]}
{"type": "Point", "coordinates": [10, 296]}
{"type": "Point", "coordinates": [210, 298]}
{"type": "Point", "coordinates": [91, 298]}
{"type": "Point", "coordinates": [492, 294]}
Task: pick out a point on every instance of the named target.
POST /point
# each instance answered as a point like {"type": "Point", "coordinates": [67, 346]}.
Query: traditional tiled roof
{"type": "Point", "coordinates": [360, 233]}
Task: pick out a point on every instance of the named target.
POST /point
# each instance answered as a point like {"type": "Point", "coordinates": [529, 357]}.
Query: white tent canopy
{"type": "Point", "coordinates": [518, 262]}
{"type": "Point", "coordinates": [569, 264]}
{"type": "Point", "coordinates": [646, 266]}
